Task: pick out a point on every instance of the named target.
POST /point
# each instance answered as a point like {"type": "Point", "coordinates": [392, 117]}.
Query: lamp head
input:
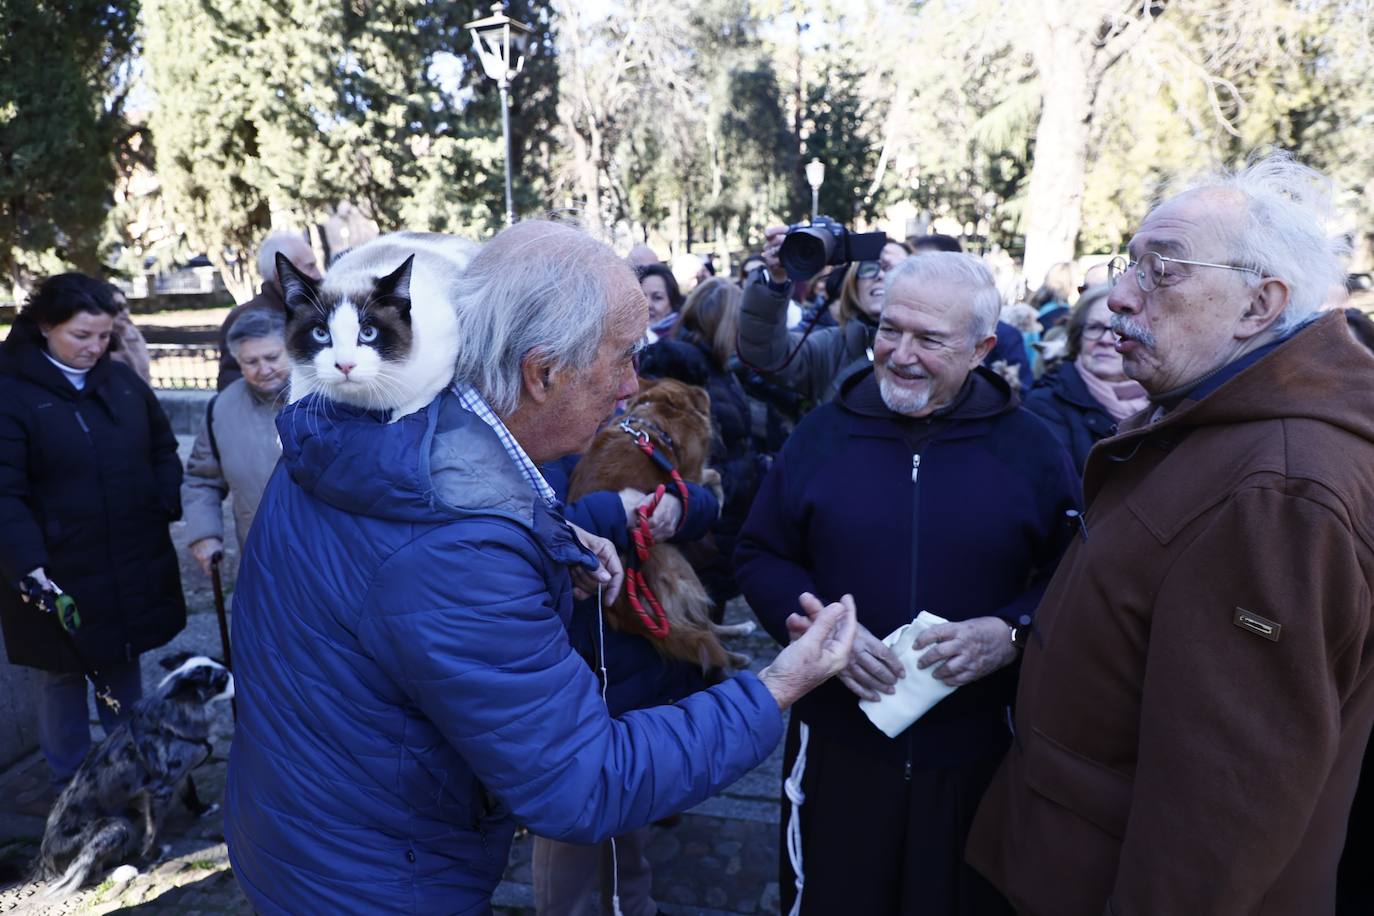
{"type": "Point", "coordinates": [500, 42]}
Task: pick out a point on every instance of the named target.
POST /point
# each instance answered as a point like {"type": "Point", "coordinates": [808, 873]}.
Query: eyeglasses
{"type": "Point", "coordinates": [1151, 272]}
{"type": "Point", "coordinates": [869, 269]}
{"type": "Point", "coordinates": [1095, 330]}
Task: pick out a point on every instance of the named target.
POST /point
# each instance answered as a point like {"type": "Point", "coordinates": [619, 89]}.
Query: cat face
{"type": "Point", "coordinates": [350, 346]}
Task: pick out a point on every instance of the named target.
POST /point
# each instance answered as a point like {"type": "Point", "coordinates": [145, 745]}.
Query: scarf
{"type": "Point", "coordinates": [1119, 399]}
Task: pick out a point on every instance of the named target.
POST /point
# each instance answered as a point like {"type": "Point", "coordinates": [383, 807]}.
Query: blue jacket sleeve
{"type": "Point", "coordinates": [603, 513]}
{"type": "Point", "coordinates": [702, 511]}
{"type": "Point", "coordinates": [768, 558]}
{"type": "Point", "coordinates": [476, 642]}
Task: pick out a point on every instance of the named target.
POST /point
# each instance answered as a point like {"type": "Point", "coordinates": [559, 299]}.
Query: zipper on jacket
{"type": "Point", "coordinates": [915, 555]}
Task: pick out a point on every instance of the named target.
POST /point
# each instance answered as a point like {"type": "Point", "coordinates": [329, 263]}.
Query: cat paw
{"type": "Point", "coordinates": [123, 874]}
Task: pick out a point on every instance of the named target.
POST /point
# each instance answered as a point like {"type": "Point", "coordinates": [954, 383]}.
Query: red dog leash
{"type": "Point", "coordinates": [636, 585]}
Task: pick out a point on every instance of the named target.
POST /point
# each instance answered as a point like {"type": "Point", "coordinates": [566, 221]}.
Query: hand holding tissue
{"type": "Point", "coordinates": [918, 691]}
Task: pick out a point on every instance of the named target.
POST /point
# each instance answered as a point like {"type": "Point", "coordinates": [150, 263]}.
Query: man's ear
{"type": "Point", "coordinates": [982, 349]}
{"type": "Point", "coordinates": [1266, 305]}
{"type": "Point", "coordinates": [537, 376]}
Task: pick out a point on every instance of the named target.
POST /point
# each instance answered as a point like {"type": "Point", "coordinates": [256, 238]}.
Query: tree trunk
{"type": "Point", "coordinates": [1054, 206]}
{"type": "Point", "coordinates": [586, 169]}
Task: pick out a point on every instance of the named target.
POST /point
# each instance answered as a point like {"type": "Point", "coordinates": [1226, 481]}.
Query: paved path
{"type": "Point", "coordinates": [721, 858]}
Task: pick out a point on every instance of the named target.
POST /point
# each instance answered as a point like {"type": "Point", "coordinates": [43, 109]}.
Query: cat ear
{"type": "Point", "coordinates": [298, 291]}
{"type": "Point", "coordinates": [394, 288]}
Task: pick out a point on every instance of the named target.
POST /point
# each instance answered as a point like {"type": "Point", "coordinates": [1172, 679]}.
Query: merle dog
{"type": "Point", "coordinates": [114, 805]}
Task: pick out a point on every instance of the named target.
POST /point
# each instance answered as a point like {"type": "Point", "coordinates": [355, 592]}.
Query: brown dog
{"type": "Point", "coordinates": [676, 418]}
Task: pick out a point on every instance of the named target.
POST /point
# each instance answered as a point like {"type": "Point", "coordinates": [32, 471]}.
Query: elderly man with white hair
{"type": "Point", "coordinates": [298, 251]}
{"type": "Point", "coordinates": [407, 690]}
{"type": "Point", "coordinates": [923, 486]}
{"type": "Point", "coordinates": [1196, 697]}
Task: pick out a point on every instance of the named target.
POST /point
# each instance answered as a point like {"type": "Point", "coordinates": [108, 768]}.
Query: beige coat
{"type": "Point", "coordinates": [246, 433]}
{"type": "Point", "coordinates": [1196, 698]}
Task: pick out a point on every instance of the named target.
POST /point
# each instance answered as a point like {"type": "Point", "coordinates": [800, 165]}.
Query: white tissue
{"type": "Point", "coordinates": [918, 691]}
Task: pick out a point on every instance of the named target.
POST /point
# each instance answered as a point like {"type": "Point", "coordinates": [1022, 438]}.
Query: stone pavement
{"type": "Point", "coordinates": [721, 858]}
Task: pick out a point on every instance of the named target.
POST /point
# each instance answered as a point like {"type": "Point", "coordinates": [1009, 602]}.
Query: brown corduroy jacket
{"type": "Point", "coordinates": [1196, 697]}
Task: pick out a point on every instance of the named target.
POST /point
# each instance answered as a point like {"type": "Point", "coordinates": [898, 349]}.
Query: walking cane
{"type": "Point", "coordinates": [215, 561]}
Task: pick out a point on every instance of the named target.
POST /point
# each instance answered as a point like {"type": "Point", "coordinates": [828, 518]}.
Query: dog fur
{"type": "Point", "coordinates": [114, 805]}
{"type": "Point", "coordinates": [615, 462]}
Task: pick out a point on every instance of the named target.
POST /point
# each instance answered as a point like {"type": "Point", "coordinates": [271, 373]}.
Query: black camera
{"type": "Point", "coordinates": [810, 246]}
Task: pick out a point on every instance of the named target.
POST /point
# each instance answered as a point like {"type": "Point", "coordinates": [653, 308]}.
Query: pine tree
{"type": "Point", "coordinates": [63, 81]}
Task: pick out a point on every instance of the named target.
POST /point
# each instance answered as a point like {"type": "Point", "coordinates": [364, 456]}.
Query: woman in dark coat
{"type": "Point", "coordinates": [89, 480]}
{"type": "Point", "coordinates": [702, 355]}
{"type": "Point", "coordinates": [1089, 394]}
{"type": "Point", "coordinates": [665, 300]}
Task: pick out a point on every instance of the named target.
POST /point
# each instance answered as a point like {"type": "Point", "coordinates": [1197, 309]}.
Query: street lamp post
{"type": "Point", "coordinates": [500, 42]}
{"type": "Point", "coordinates": [815, 176]}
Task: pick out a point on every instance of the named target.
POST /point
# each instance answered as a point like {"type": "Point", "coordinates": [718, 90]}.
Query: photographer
{"type": "Point", "coordinates": [812, 364]}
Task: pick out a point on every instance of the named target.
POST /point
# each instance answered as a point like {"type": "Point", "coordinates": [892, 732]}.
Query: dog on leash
{"type": "Point", "coordinates": [676, 418]}
{"type": "Point", "coordinates": [114, 805]}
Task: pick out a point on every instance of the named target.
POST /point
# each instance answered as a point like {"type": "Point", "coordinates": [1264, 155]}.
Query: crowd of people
{"type": "Point", "coordinates": [1119, 529]}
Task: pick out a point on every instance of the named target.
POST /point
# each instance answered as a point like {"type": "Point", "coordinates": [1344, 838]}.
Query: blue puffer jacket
{"type": "Point", "coordinates": [406, 690]}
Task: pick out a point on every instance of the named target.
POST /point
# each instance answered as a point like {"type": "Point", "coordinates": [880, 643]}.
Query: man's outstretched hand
{"type": "Point", "coordinates": [819, 650]}
{"type": "Point", "coordinates": [873, 668]}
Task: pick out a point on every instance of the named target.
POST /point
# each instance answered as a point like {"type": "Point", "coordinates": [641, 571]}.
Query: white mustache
{"type": "Point", "coordinates": [910, 374]}
{"type": "Point", "coordinates": [1128, 329]}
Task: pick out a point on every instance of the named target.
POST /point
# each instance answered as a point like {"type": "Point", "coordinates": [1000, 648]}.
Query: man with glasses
{"type": "Point", "coordinates": [921, 486]}
{"type": "Point", "coordinates": [1196, 696]}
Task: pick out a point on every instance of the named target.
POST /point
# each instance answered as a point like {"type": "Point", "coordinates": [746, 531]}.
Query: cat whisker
{"type": "Point", "coordinates": [389, 390]}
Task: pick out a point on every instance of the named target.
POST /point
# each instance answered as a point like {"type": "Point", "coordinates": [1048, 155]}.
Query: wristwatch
{"type": "Point", "coordinates": [1020, 633]}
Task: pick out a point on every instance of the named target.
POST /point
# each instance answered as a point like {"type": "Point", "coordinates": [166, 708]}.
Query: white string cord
{"type": "Point", "coordinates": [605, 680]}
{"type": "Point", "coordinates": [792, 788]}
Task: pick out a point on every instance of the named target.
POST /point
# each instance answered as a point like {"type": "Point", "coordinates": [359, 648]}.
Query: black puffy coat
{"type": "Point", "coordinates": [89, 481]}
{"type": "Point", "coordinates": [1075, 417]}
{"type": "Point", "coordinates": [733, 452]}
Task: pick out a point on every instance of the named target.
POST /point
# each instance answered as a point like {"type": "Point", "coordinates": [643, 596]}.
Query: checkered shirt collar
{"type": "Point", "coordinates": [470, 399]}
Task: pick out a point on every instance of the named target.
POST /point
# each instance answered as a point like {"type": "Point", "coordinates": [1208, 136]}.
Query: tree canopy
{"type": "Point", "coordinates": [1045, 129]}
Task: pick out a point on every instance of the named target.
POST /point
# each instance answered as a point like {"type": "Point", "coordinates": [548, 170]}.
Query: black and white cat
{"type": "Point", "coordinates": [379, 331]}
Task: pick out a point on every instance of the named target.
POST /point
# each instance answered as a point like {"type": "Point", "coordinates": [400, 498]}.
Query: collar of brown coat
{"type": "Point", "coordinates": [1320, 374]}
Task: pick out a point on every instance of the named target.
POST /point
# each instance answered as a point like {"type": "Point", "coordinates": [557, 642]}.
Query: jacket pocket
{"type": "Point", "coordinates": [1091, 790]}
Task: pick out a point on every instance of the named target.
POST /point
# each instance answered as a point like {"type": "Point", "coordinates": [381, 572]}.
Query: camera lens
{"type": "Point", "coordinates": [805, 251]}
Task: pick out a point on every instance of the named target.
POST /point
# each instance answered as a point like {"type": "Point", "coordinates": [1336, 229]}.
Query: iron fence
{"type": "Point", "coordinates": [184, 365]}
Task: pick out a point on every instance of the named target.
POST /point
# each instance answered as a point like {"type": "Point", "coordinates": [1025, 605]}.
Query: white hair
{"type": "Point", "coordinates": [1281, 231]}
{"type": "Point", "coordinates": [255, 324]}
{"type": "Point", "coordinates": [537, 286]}
{"type": "Point", "coordinates": [959, 269]}
{"type": "Point", "coordinates": [282, 242]}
